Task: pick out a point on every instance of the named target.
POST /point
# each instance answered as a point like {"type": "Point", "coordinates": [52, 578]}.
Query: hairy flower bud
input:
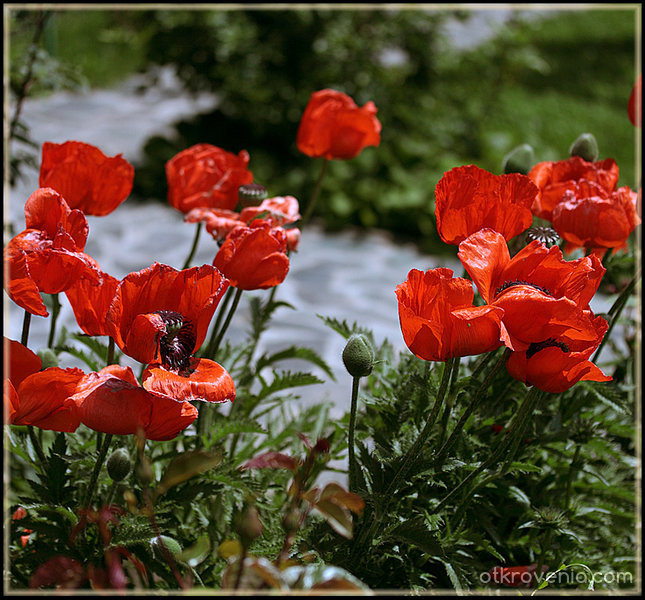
{"type": "Point", "coordinates": [585, 147]}
{"type": "Point", "coordinates": [157, 543]}
{"type": "Point", "coordinates": [358, 355]}
{"type": "Point", "coordinates": [248, 526]}
{"type": "Point", "coordinates": [519, 160]}
{"type": "Point", "coordinates": [118, 465]}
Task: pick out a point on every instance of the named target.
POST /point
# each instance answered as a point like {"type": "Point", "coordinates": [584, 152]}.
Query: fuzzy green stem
{"type": "Point", "coordinates": [189, 258]}
{"type": "Point", "coordinates": [572, 470]}
{"type": "Point", "coordinates": [494, 457]}
{"type": "Point", "coordinates": [26, 322]}
{"type": "Point", "coordinates": [448, 444]}
{"type": "Point", "coordinates": [110, 351]}
{"type": "Point", "coordinates": [212, 350]}
{"type": "Point", "coordinates": [56, 306]}
{"type": "Point", "coordinates": [543, 548]}
{"type": "Point", "coordinates": [533, 397]}
{"type": "Point", "coordinates": [314, 196]}
{"type": "Point", "coordinates": [37, 447]}
{"type": "Point", "coordinates": [351, 458]}
{"type": "Point", "coordinates": [223, 307]}
{"type": "Point", "coordinates": [615, 311]}
{"type": "Point", "coordinates": [97, 467]}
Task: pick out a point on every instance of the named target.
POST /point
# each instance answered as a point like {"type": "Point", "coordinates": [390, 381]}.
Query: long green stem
{"type": "Point", "coordinates": [616, 309]}
{"type": "Point", "coordinates": [221, 311]}
{"type": "Point", "coordinates": [314, 196]}
{"type": "Point", "coordinates": [212, 350]}
{"type": "Point", "coordinates": [97, 468]}
{"type": "Point", "coordinates": [189, 258]}
{"type": "Point", "coordinates": [52, 326]}
{"type": "Point", "coordinates": [37, 447]}
{"type": "Point", "coordinates": [573, 467]}
{"type": "Point", "coordinates": [497, 453]}
{"type": "Point", "coordinates": [448, 444]}
{"type": "Point", "coordinates": [533, 397]}
{"type": "Point", "coordinates": [26, 322]}
{"type": "Point", "coordinates": [351, 458]}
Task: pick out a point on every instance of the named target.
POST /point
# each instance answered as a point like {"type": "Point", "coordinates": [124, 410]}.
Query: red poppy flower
{"type": "Point", "coordinates": [277, 212]}
{"type": "Point", "coordinates": [536, 288]}
{"type": "Point", "coordinates": [85, 177]}
{"type": "Point", "coordinates": [468, 199]}
{"type": "Point", "coordinates": [35, 397]}
{"type": "Point", "coordinates": [254, 257]}
{"type": "Point", "coordinates": [48, 255]}
{"type": "Point", "coordinates": [206, 176]}
{"type": "Point", "coordinates": [161, 315]}
{"type": "Point", "coordinates": [516, 576]}
{"type": "Point", "coordinates": [21, 513]}
{"type": "Point", "coordinates": [557, 363]}
{"type": "Point", "coordinates": [100, 399]}
{"type": "Point", "coordinates": [583, 178]}
{"type": "Point", "coordinates": [598, 222]}
{"type": "Point", "coordinates": [635, 103]}
{"type": "Point", "coordinates": [334, 127]}
{"type": "Point", "coordinates": [208, 382]}
{"type": "Point", "coordinates": [438, 319]}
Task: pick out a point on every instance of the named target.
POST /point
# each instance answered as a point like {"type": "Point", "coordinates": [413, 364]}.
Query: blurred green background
{"type": "Point", "coordinates": [541, 81]}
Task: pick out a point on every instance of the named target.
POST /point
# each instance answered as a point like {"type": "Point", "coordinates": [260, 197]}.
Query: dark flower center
{"type": "Point", "coordinates": [177, 345]}
{"type": "Point", "coordinates": [548, 343]}
{"type": "Point", "coordinates": [546, 235]}
{"type": "Point", "coordinates": [509, 284]}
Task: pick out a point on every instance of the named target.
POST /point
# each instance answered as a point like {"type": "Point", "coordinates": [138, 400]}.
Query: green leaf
{"type": "Point", "coordinates": [339, 518]}
{"type": "Point", "coordinates": [294, 352]}
{"type": "Point", "coordinates": [197, 553]}
{"type": "Point", "coordinates": [287, 380]}
{"type": "Point", "coordinates": [185, 466]}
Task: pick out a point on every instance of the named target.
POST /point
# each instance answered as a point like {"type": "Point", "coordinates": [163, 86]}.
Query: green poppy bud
{"type": "Point", "coordinates": [48, 358]}
{"type": "Point", "coordinates": [157, 548]}
{"type": "Point", "coordinates": [519, 160]}
{"type": "Point", "coordinates": [118, 465]}
{"type": "Point", "coordinates": [251, 194]}
{"type": "Point", "coordinates": [585, 147]}
{"type": "Point", "coordinates": [248, 525]}
{"type": "Point", "coordinates": [358, 355]}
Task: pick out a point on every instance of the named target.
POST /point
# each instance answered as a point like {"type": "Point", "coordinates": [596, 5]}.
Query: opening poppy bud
{"type": "Point", "coordinates": [119, 465]}
{"type": "Point", "coordinates": [358, 355]}
{"type": "Point", "coordinates": [249, 527]}
{"type": "Point", "coordinates": [157, 544]}
{"type": "Point", "coordinates": [251, 194]}
{"type": "Point", "coordinates": [322, 446]}
{"type": "Point", "coordinates": [48, 358]}
{"type": "Point", "coordinates": [586, 147]}
{"type": "Point", "coordinates": [519, 160]}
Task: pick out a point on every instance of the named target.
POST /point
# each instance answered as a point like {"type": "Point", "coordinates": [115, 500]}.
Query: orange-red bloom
{"type": "Point", "coordinates": [85, 177]}
{"type": "Point", "coordinates": [206, 176]}
{"type": "Point", "coordinates": [35, 397]}
{"type": "Point", "coordinates": [112, 401]}
{"type": "Point", "coordinates": [438, 319]}
{"type": "Point", "coordinates": [557, 363]}
{"type": "Point", "coordinates": [585, 179]}
{"type": "Point", "coordinates": [254, 257]}
{"type": "Point", "coordinates": [635, 103]}
{"type": "Point", "coordinates": [598, 222]}
{"type": "Point", "coordinates": [277, 212]}
{"type": "Point", "coordinates": [161, 315]}
{"type": "Point", "coordinates": [48, 255]}
{"type": "Point", "coordinates": [468, 199]}
{"type": "Point", "coordinates": [334, 127]}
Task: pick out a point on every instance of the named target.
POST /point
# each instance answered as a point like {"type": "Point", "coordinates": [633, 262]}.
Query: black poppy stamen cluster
{"type": "Point", "coordinates": [546, 235]}
{"type": "Point", "coordinates": [509, 284]}
{"type": "Point", "coordinates": [535, 347]}
{"type": "Point", "coordinates": [177, 345]}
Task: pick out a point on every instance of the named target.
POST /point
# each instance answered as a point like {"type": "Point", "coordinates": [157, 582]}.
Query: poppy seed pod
{"type": "Point", "coordinates": [358, 355]}
{"type": "Point", "coordinates": [585, 147]}
{"type": "Point", "coordinates": [251, 194]}
{"type": "Point", "coordinates": [119, 465]}
{"type": "Point", "coordinates": [519, 160]}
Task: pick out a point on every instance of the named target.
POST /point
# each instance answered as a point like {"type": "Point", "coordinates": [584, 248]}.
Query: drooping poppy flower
{"type": "Point", "coordinates": [469, 198]}
{"type": "Point", "coordinates": [516, 576]}
{"type": "Point", "coordinates": [87, 179]}
{"type": "Point", "coordinates": [557, 363]}
{"type": "Point", "coordinates": [35, 397]}
{"type": "Point", "coordinates": [254, 257]}
{"type": "Point", "coordinates": [635, 103]}
{"type": "Point", "coordinates": [48, 255]}
{"type": "Point", "coordinates": [112, 401]}
{"type": "Point", "coordinates": [161, 315]}
{"type": "Point", "coordinates": [277, 212]}
{"type": "Point", "coordinates": [206, 176]}
{"type": "Point", "coordinates": [598, 222]}
{"type": "Point", "coordinates": [438, 319]}
{"type": "Point", "coordinates": [334, 127]}
{"type": "Point", "coordinates": [585, 179]}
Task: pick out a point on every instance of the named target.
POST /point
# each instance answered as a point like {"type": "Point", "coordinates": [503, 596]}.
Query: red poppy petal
{"type": "Point", "coordinates": [44, 399]}
{"type": "Point", "coordinates": [22, 361]}
{"type": "Point", "coordinates": [19, 283]}
{"type": "Point", "coordinates": [207, 382]}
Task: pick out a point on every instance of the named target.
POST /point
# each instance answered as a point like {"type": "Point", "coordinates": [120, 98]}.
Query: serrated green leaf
{"type": "Point", "coordinates": [294, 352]}
{"type": "Point", "coordinates": [286, 380]}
